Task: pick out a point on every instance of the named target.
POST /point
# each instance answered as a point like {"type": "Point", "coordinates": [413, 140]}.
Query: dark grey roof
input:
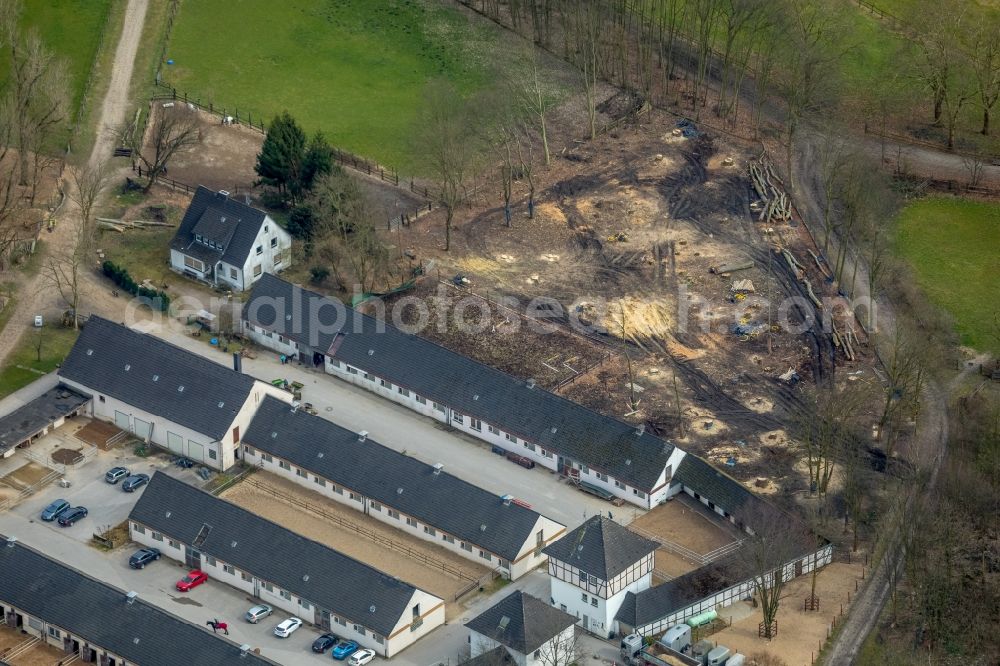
{"type": "Point", "coordinates": [379, 473]}
{"type": "Point", "coordinates": [34, 416]}
{"type": "Point", "coordinates": [308, 569]}
{"type": "Point", "coordinates": [147, 372]}
{"type": "Point", "coordinates": [601, 547]}
{"type": "Point", "coordinates": [722, 490]}
{"type": "Point", "coordinates": [215, 215]}
{"type": "Point", "coordinates": [296, 313]}
{"type": "Point", "coordinates": [529, 623]}
{"type": "Point", "coordinates": [659, 601]}
{"type": "Point", "coordinates": [139, 632]}
{"type": "Point", "coordinates": [498, 656]}
{"type": "Point", "coordinates": [546, 419]}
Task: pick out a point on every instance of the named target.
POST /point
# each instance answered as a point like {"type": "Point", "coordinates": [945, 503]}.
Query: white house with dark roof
{"type": "Point", "coordinates": [93, 622]}
{"type": "Point", "coordinates": [282, 568]}
{"type": "Point", "coordinates": [532, 632]}
{"type": "Point", "coordinates": [163, 394]}
{"type": "Point", "coordinates": [423, 500]}
{"type": "Point", "coordinates": [228, 243]}
{"type": "Point", "coordinates": [593, 568]}
{"type": "Point", "coordinates": [508, 413]}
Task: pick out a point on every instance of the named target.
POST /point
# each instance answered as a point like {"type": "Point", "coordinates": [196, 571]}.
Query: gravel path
{"type": "Point", "coordinates": [35, 294]}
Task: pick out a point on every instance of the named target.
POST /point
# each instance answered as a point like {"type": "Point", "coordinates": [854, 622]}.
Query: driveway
{"type": "Point", "coordinates": [421, 437]}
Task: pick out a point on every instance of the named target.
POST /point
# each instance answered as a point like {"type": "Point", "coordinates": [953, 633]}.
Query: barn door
{"type": "Point", "coordinates": [192, 558]}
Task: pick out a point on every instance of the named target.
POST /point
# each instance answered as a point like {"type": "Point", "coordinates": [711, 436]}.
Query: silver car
{"type": "Point", "coordinates": [258, 613]}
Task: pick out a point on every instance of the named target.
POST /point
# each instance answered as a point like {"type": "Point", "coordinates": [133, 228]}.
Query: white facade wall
{"type": "Point", "coordinates": [431, 607]}
{"type": "Point", "coordinates": [268, 231]}
{"type": "Point", "coordinates": [496, 436]}
{"type": "Point", "coordinates": [596, 603]}
{"type": "Point", "coordinates": [177, 264]}
{"type": "Point", "coordinates": [269, 340]}
{"type": "Point", "coordinates": [233, 276]}
{"type": "Point", "coordinates": [526, 561]}
{"type": "Point", "coordinates": [554, 652]}
{"type": "Point", "coordinates": [166, 434]}
{"type": "Point", "coordinates": [729, 595]}
{"type": "Point", "coordinates": [56, 636]}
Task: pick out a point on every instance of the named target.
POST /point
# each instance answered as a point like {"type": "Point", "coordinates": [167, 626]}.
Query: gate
{"type": "Point", "coordinates": [192, 558]}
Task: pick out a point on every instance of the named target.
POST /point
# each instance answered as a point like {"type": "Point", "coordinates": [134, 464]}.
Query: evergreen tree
{"type": "Point", "coordinates": [279, 163]}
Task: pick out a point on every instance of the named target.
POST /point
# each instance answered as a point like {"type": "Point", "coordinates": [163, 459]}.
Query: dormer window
{"type": "Point", "coordinates": [198, 238]}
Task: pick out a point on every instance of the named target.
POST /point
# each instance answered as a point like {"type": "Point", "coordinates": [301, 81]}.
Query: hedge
{"type": "Point", "coordinates": [158, 300]}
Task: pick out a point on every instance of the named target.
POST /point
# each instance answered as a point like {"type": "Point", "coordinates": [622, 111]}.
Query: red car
{"type": "Point", "coordinates": [193, 579]}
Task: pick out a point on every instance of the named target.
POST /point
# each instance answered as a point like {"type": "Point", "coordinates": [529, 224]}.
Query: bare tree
{"type": "Point", "coordinates": [774, 539]}
{"type": "Point", "coordinates": [64, 270]}
{"type": "Point", "coordinates": [174, 130]}
{"type": "Point", "coordinates": [537, 96]}
{"type": "Point", "coordinates": [904, 378]}
{"type": "Point", "coordinates": [984, 54]}
{"type": "Point", "coordinates": [588, 25]}
{"type": "Point", "coordinates": [561, 650]}
{"type": "Point", "coordinates": [37, 92]}
{"type": "Point", "coordinates": [447, 140]}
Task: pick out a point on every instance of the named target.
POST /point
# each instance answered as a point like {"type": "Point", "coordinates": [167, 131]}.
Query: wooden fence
{"type": "Point", "coordinates": [368, 533]}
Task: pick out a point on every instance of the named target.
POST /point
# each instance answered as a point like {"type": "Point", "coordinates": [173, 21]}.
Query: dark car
{"type": "Point", "coordinates": [70, 516]}
{"type": "Point", "coordinates": [325, 642]}
{"type": "Point", "coordinates": [135, 481]}
{"type": "Point", "coordinates": [142, 557]}
{"type": "Point", "coordinates": [54, 510]}
{"type": "Point", "coordinates": [116, 474]}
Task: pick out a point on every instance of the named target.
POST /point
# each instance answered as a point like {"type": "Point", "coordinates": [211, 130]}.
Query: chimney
{"type": "Point", "coordinates": [130, 597]}
{"type": "Point", "coordinates": [640, 429]}
{"type": "Point", "coordinates": [237, 362]}
{"type": "Point", "coordinates": [507, 499]}
{"type": "Point", "coordinates": [11, 540]}
{"type": "Point", "coordinates": [437, 468]}
{"type": "Point", "coordinates": [363, 435]}
{"type": "Point", "coordinates": [224, 193]}
{"type": "Point", "coordinates": [295, 406]}
{"type": "Point", "coordinates": [530, 383]}
{"type": "Point", "coordinates": [244, 649]}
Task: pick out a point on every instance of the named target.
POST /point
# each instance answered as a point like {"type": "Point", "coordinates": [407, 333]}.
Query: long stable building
{"type": "Point", "coordinates": [506, 412]}
{"type": "Point", "coordinates": [93, 622]}
{"type": "Point", "coordinates": [163, 394]}
{"type": "Point", "coordinates": [423, 500]}
{"type": "Point", "coordinates": [284, 569]}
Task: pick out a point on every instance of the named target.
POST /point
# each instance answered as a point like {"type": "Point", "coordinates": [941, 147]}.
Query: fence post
{"type": "Point", "coordinates": [173, 92]}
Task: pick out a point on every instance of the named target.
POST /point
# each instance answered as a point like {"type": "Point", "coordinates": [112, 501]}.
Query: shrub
{"type": "Point", "coordinates": [317, 274]}
{"type": "Point", "coordinates": [158, 300]}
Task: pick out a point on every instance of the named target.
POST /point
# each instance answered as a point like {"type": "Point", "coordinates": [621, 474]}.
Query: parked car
{"type": "Point", "coordinates": [142, 557]}
{"type": "Point", "coordinates": [288, 627]}
{"type": "Point", "coordinates": [54, 510]}
{"type": "Point", "coordinates": [134, 482]}
{"type": "Point", "coordinates": [344, 649]}
{"type": "Point", "coordinates": [38, 321]}
{"type": "Point", "coordinates": [258, 613]}
{"type": "Point", "coordinates": [324, 643]}
{"type": "Point", "coordinates": [70, 516]}
{"type": "Point", "coordinates": [116, 474]}
{"type": "Point", "coordinates": [361, 657]}
{"type": "Point", "coordinates": [193, 579]}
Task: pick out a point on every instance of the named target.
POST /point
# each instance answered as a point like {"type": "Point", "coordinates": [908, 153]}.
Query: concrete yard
{"type": "Point", "coordinates": [425, 565]}
{"type": "Point", "coordinates": [691, 526]}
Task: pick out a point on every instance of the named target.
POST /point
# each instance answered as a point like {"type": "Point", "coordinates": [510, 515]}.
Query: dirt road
{"type": "Point", "coordinates": [36, 294]}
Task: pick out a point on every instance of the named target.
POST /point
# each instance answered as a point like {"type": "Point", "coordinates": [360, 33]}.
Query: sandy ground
{"type": "Point", "coordinates": [345, 540]}
{"type": "Point", "coordinates": [25, 476]}
{"type": "Point", "coordinates": [800, 633]}
{"type": "Point", "coordinates": [97, 433]}
{"type": "Point", "coordinates": [38, 655]}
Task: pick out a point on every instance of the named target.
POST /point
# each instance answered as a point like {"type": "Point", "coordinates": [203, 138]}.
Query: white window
{"type": "Point", "coordinates": [602, 477]}
{"type": "Point", "coordinates": [229, 569]}
{"type": "Point", "coordinates": [260, 250]}
{"type": "Point", "coordinates": [466, 546]}
{"type": "Point", "coordinates": [284, 465]}
{"type": "Point", "coordinates": [358, 628]}
{"type": "Point", "coordinates": [420, 399]}
{"type": "Point", "coordinates": [619, 484]}
{"type": "Point", "coordinates": [285, 594]}
{"type": "Point", "coordinates": [584, 469]}
{"type": "Point", "coordinates": [356, 497]}
{"type": "Point", "coordinates": [583, 597]}
{"type": "Point", "coordinates": [369, 378]}
{"type": "Point", "coordinates": [476, 425]}
{"type": "Point", "coordinates": [210, 561]}
{"type": "Point", "coordinates": [546, 454]}
{"type": "Point", "coordinates": [430, 530]}
{"type": "Point", "coordinates": [385, 384]}
{"type": "Point", "coordinates": [339, 620]}
{"type": "Point", "coordinates": [529, 446]}
{"type": "Point", "coordinates": [319, 482]}
{"type": "Point", "coordinates": [457, 418]}
{"type": "Point", "coordinates": [249, 450]}
{"type": "Point", "coordinates": [266, 457]}
{"type": "Point", "coordinates": [403, 392]}
{"type": "Point", "coordinates": [232, 273]}
{"type": "Point", "coordinates": [583, 579]}
{"type": "Point", "coordinates": [274, 242]}
{"type": "Point", "coordinates": [245, 576]}
{"type": "Point", "coordinates": [256, 270]}
{"type": "Point", "coordinates": [511, 438]}
{"type": "Point", "coordinates": [265, 228]}
{"type": "Point", "coordinates": [639, 493]}
{"type": "Point", "coordinates": [411, 522]}
{"type": "Point", "coordinates": [448, 538]}
{"type": "Point", "coordinates": [301, 472]}
{"type": "Point", "coordinates": [493, 430]}
{"type": "Point", "coordinates": [378, 639]}
{"type": "Point", "coordinates": [352, 370]}
{"type": "Point", "coordinates": [394, 514]}
{"type": "Point", "coordinates": [376, 507]}
{"type": "Point", "coordinates": [334, 363]}
{"type": "Point", "coordinates": [269, 587]}
{"type": "Point", "coordinates": [439, 407]}
{"type": "Point", "coordinates": [212, 454]}
{"type": "Point", "coordinates": [501, 563]}
{"type": "Point", "coordinates": [593, 602]}
{"type": "Point", "coordinates": [336, 489]}
{"type": "Point", "coordinates": [305, 604]}
{"type": "Point", "coordinates": [486, 556]}
{"type": "Point", "coordinates": [138, 528]}
{"type": "Point", "coordinates": [157, 536]}
{"type": "Point", "coordinates": [174, 544]}
{"type": "Point", "coordinates": [54, 633]}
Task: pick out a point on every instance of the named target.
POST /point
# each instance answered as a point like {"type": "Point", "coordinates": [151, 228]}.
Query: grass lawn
{"type": "Point", "coordinates": [144, 252]}
{"type": "Point", "coordinates": [23, 366]}
{"type": "Point", "coordinates": [354, 69]}
{"type": "Point", "coordinates": [952, 244]}
{"type": "Point", "coordinates": [70, 28]}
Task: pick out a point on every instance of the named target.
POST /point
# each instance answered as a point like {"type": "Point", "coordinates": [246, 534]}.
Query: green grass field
{"type": "Point", "coordinates": [23, 366]}
{"type": "Point", "coordinates": [354, 69]}
{"type": "Point", "coordinates": [952, 245]}
{"type": "Point", "coordinates": [71, 29]}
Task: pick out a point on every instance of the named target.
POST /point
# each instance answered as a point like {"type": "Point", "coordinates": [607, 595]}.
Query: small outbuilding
{"type": "Point", "coordinates": [532, 633]}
